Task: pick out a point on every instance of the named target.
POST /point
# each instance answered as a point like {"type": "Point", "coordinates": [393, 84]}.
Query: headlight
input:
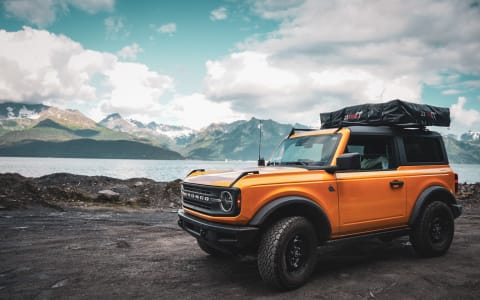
{"type": "Point", "coordinates": [226, 201]}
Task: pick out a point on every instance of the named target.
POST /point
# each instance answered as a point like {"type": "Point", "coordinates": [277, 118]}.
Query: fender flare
{"type": "Point", "coordinates": [269, 209]}
{"type": "Point", "coordinates": [439, 192]}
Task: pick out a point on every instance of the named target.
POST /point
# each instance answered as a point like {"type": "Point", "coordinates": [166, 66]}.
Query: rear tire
{"type": "Point", "coordinates": [432, 234]}
{"type": "Point", "coordinates": [287, 253]}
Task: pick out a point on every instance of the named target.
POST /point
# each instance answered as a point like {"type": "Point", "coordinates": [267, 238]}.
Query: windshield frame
{"type": "Point", "coordinates": [310, 164]}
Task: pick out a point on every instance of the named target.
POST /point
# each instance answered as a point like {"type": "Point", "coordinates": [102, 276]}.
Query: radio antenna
{"type": "Point", "coordinates": [261, 160]}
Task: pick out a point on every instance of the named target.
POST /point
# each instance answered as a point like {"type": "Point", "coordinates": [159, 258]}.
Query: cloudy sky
{"type": "Point", "coordinates": [200, 61]}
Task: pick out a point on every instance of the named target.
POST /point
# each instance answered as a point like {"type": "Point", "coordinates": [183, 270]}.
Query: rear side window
{"type": "Point", "coordinates": [376, 152]}
{"type": "Point", "coordinates": [422, 149]}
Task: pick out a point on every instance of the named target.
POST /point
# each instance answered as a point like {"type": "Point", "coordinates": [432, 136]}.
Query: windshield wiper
{"type": "Point", "coordinates": [297, 163]}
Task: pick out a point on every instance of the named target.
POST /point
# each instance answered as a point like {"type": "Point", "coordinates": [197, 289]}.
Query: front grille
{"type": "Point", "coordinates": [206, 199]}
{"type": "Point", "coordinates": [194, 203]}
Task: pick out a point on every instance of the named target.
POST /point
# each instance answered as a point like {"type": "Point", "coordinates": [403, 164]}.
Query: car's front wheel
{"type": "Point", "coordinates": [287, 253]}
{"type": "Point", "coordinates": [432, 234]}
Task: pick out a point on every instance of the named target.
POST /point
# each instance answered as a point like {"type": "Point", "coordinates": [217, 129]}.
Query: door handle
{"type": "Point", "coordinates": [396, 184]}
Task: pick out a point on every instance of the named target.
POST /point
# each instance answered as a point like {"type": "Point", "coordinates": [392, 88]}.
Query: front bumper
{"type": "Point", "coordinates": [222, 236]}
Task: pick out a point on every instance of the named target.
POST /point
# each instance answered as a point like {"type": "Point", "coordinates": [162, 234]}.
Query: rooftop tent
{"type": "Point", "coordinates": [393, 113]}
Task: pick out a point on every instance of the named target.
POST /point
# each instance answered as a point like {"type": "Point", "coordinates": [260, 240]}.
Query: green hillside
{"type": "Point", "coordinates": [462, 152]}
{"type": "Point", "coordinates": [48, 130]}
{"type": "Point", "coordinates": [88, 148]}
{"type": "Point", "coordinates": [237, 141]}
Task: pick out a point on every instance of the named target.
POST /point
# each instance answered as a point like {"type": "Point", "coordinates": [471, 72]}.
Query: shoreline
{"type": "Point", "coordinates": [62, 190]}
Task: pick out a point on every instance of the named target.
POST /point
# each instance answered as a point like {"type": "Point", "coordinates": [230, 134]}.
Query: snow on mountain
{"type": "Point", "coordinates": [10, 110]}
{"type": "Point", "coordinates": [117, 122]}
{"type": "Point", "coordinates": [170, 130]}
{"type": "Point", "coordinates": [68, 117]}
{"type": "Point", "coordinates": [20, 116]}
{"type": "Point", "coordinates": [471, 136]}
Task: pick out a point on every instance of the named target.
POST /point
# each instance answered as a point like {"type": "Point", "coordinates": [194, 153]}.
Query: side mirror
{"type": "Point", "coordinates": [348, 161]}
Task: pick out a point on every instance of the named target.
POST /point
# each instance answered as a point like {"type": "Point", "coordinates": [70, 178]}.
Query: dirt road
{"type": "Point", "coordinates": [141, 254]}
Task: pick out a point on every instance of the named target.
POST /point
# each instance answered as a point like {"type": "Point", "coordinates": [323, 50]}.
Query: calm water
{"type": "Point", "coordinates": [159, 170]}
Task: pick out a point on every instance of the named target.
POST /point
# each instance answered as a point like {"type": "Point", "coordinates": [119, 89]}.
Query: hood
{"type": "Point", "coordinates": [227, 177]}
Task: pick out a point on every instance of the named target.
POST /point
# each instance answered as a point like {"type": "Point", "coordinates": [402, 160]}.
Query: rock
{"type": "Point", "coordinates": [123, 244]}
{"type": "Point", "coordinates": [60, 284]}
{"type": "Point", "coordinates": [138, 183]}
{"type": "Point", "coordinates": [108, 195]}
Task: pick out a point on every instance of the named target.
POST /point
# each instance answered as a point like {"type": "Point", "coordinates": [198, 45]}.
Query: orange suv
{"type": "Point", "coordinates": [327, 185]}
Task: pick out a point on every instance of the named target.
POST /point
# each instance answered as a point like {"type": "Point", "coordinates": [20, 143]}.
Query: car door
{"type": "Point", "coordinates": [374, 197]}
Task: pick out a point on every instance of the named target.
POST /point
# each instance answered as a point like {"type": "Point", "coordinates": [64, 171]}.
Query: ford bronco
{"type": "Point", "coordinates": [347, 180]}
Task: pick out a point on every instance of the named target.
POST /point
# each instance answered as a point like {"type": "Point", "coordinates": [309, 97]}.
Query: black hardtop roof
{"type": "Point", "coordinates": [376, 130]}
{"type": "Point", "coordinates": [390, 130]}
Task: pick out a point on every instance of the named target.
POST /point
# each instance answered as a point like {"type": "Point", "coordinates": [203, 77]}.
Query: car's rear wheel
{"type": "Point", "coordinates": [287, 253]}
{"type": "Point", "coordinates": [432, 234]}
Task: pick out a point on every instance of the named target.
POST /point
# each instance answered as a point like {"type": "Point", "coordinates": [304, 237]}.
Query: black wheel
{"type": "Point", "coordinates": [210, 250]}
{"type": "Point", "coordinates": [432, 234]}
{"type": "Point", "coordinates": [287, 253]}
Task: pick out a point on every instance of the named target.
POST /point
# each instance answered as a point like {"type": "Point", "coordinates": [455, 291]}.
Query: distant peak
{"type": "Point", "coordinates": [111, 117]}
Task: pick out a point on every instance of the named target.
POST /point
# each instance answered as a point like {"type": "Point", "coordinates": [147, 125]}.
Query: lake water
{"type": "Point", "coordinates": [159, 170]}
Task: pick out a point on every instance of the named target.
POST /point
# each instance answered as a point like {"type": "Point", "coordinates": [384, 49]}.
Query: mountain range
{"type": "Point", "coordinates": [40, 130]}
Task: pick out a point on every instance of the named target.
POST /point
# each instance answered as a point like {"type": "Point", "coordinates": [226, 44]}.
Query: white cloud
{"type": "Point", "coordinates": [61, 71]}
{"type": "Point", "coordinates": [135, 88]}
{"type": "Point", "coordinates": [219, 14]}
{"type": "Point", "coordinates": [169, 28]}
{"type": "Point", "coordinates": [464, 119]}
{"type": "Point", "coordinates": [44, 12]}
{"type": "Point", "coordinates": [59, 67]}
{"type": "Point", "coordinates": [92, 6]}
{"type": "Point", "coordinates": [258, 84]}
{"type": "Point", "coordinates": [190, 111]}
{"type": "Point", "coordinates": [255, 74]}
{"type": "Point", "coordinates": [451, 92]}
{"type": "Point", "coordinates": [328, 54]}
{"type": "Point", "coordinates": [115, 28]}
{"type": "Point", "coordinates": [130, 51]}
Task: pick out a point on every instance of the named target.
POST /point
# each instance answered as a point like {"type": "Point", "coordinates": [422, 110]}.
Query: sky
{"type": "Point", "coordinates": [197, 62]}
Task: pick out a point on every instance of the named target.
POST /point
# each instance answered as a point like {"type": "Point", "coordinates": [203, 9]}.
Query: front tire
{"type": "Point", "coordinates": [432, 234]}
{"type": "Point", "coordinates": [287, 253]}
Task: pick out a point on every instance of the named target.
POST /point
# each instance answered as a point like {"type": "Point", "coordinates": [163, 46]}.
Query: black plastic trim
{"type": "Point", "coordinates": [457, 210]}
{"type": "Point", "coordinates": [196, 170]}
{"type": "Point", "coordinates": [391, 232]}
{"type": "Point", "coordinates": [211, 208]}
{"type": "Point", "coordinates": [215, 233]}
{"type": "Point", "coordinates": [243, 175]}
{"type": "Point", "coordinates": [423, 198]}
{"type": "Point", "coordinates": [270, 208]}
{"type": "Point", "coordinates": [294, 130]}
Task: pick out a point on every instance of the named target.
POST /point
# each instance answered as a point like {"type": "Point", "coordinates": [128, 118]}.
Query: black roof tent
{"type": "Point", "coordinates": [397, 112]}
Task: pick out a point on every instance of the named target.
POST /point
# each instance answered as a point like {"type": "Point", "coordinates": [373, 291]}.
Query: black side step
{"type": "Point", "coordinates": [395, 233]}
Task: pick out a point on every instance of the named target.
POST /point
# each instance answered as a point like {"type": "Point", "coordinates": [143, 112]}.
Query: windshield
{"type": "Point", "coordinates": [315, 150]}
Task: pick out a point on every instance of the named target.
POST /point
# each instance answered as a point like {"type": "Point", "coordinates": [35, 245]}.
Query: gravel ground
{"type": "Point", "coordinates": [124, 253]}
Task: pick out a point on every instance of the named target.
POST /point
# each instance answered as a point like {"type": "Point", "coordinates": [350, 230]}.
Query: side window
{"type": "Point", "coordinates": [422, 149]}
{"type": "Point", "coordinates": [376, 152]}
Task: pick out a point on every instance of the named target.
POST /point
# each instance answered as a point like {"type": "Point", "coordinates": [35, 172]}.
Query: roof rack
{"type": "Point", "coordinates": [295, 130]}
{"type": "Point", "coordinates": [395, 113]}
